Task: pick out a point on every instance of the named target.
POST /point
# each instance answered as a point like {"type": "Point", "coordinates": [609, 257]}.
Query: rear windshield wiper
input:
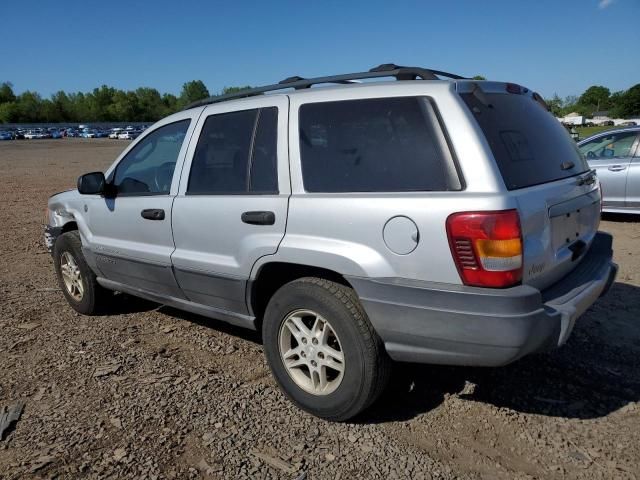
{"type": "Point", "coordinates": [567, 165]}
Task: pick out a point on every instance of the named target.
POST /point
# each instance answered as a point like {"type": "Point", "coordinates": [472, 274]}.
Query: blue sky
{"type": "Point", "coordinates": [560, 46]}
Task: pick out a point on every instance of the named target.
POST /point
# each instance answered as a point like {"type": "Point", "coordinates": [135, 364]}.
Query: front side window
{"type": "Point", "coordinates": [148, 168]}
{"type": "Point", "coordinates": [236, 153]}
{"type": "Point", "coordinates": [374, 145]}
{"type": "Point", "coordinates": [615, 145]}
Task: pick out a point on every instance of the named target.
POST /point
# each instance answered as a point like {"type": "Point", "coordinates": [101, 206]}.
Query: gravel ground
{"type": "Point", "coordinates": [151, 392]}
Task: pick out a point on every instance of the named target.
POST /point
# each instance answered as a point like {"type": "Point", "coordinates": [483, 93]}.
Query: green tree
{"type": "Point", "coordinates": [9, 112]}
{"type": "Point", "coordinates": [98, 103]}
{"type": "Point", "coordinates": [595, 98]}
{"type": "Point", "coordinates": [478, 77]}
{"type": "Point", "coordinates": [124, 106]}
{"type": "Point", "coordinates": [61, 107]}
{"type": "Point", "coordinates": [616, 101]}
{"type": "Point", "coordinates": [29, 107]}
{"type": "Point", "coordinates": [630, 102]}
{"type": "Point", "coordinates": [6, 93]}
{"type": "Point", "coordinates": [192, 92]}
{"type": "Point", "coordinates": [170, 103]}
{"type": "Point", "coordinates": [150, 106]}
{"type": "Point", "coordinates": [230, 90]}
{"type": "Point", "coordinates": [555, 105]}
{"type": "Point", "coordinates": [80, 110]}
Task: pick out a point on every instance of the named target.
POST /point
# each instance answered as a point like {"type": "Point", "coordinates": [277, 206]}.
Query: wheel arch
{"type": "Point", "coordinates": [70, 226]}
{"type": "Point", "coordinates": [270, 276]}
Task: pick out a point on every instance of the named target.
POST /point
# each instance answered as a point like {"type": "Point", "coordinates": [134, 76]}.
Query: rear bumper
{"type": "Point", "coordinates": [447, 324]}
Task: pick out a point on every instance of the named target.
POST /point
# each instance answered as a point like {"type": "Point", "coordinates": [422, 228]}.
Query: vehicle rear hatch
{"type": "Point", "coordinates": [557, 197]}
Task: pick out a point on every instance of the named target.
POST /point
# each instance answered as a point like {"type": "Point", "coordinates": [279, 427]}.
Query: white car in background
{"type": "Point", "coordinates": [114, 133]}
{"type": "Point", "coordinates": [32, 134]}
{"type": "Point", "coordinates": [128, 135]}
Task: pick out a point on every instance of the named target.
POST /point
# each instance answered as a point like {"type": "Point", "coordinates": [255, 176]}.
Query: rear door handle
{"type": "Point", "coordinates": [259, 218]}
{"type": "Point", "coordinates": [153, 213]}
{"type": "Point", "coordinates": [617, 168]}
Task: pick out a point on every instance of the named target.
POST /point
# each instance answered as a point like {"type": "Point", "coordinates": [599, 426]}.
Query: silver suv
{"type": "Point", "coordinates": [420, 219]}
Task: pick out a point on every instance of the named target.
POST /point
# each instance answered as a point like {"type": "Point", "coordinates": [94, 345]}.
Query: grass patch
{"type": "Point", "coordinates": [585, 132]}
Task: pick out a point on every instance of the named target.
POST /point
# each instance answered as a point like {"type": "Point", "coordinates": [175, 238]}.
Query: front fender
{"type": "Point", "coordinates": [67, 207]}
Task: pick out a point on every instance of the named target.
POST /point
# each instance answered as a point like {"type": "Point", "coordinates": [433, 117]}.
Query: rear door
{"type": "Point", "coordinates": [610, 155]}
{"type": "Point", "coordinates": [231, 207]}
{"type": "Point", "coordinates": [558, 199]}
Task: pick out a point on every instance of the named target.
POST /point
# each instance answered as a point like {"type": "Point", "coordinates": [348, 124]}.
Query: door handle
{"type": "Point", "coordinates": [153, 213]}
{"type": "Point", "coordinates": [259, 218]}
{"type": "Point", "coordinates": [617, 168]}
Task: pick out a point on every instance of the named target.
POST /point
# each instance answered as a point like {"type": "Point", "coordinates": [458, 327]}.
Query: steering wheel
{"type": "Point", "coordinates": [590, 154]}
{"type": "Point", "coordinates": [163, 176]}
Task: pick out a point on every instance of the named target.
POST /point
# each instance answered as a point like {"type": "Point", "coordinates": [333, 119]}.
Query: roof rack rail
{"type": "Point", "coordinates": [297, 83]}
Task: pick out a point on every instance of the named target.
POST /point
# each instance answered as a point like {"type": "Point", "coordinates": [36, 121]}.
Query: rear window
{"type": "Point", "coordinates": [530, 146]}
{"type": "Point", "coordinates": [374, 145]}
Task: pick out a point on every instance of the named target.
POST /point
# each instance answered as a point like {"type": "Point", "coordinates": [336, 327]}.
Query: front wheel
{"type": "Point", "coordinates": [322, 349]}
{"type": "Point", "coordinates": [77, 281]}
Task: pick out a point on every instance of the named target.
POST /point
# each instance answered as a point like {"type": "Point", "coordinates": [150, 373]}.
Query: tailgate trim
{"type": "Point", "coordinates": [574, 204]}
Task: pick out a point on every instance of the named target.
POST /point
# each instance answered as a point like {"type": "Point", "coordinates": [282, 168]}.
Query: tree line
{"type": "Point", "coordinates": [104, 104]}
{"type": "Point", "coordinates": [622, 104]}
{"type": "Point", "coordinates": [108, 104]}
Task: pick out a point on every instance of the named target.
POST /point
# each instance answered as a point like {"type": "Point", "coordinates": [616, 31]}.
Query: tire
{"type": "Point", "coordinates": [356, 381]}
{"type": "Point", "coordinates": [93, 298]}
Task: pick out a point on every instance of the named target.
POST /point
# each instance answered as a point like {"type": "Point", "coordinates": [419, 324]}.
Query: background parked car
{"type": "Point", "coordinates": [128, 135]}
{"type": "Point", "coordinates": [114, 132]}
{"type": "Point", "coordinates": [615, 155]}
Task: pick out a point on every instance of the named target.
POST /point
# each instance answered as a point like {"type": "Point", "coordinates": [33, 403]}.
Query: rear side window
{"type": "Point", "coordinates": [374, 145]}
{"type": "Point", "coordinates": [530, 146]}
{"type": "Point", "coordinates": [236, 153]}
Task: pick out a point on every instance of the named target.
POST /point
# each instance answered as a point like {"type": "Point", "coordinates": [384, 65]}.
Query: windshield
{"type": "Point", "coordinates": [530, 146]}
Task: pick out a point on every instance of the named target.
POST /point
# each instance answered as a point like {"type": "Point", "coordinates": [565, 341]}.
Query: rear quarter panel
{"type": "Point", "coordinates": [344, 231]}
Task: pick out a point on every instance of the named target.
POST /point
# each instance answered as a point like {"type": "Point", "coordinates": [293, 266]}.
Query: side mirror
{"type": "Point", "coordinates": [91, 183]}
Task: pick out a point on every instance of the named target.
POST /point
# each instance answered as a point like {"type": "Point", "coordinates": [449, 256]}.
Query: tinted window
{"type": "Point", "coordinates": [264, 164]}
{"type": "Point", "coordinates": [528, 143]}
{"type": "Point", "coordinates": [609, 146]}
{"type": "Point", "coordinates": [221, 159]}
{"type": "Point", "coordinates": [148, 167]}
{"type": "Point", "coordinates": [374, 145]}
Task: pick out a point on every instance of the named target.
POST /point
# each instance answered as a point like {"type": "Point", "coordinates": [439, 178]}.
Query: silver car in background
{"type": "Point", "coordinates": [615, 155]}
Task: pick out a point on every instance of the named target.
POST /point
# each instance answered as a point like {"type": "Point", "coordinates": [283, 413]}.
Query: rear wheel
{"type": "Point", "coordinates": [322, 349]}
{"type": "Point", "coordinates": [77, 281]}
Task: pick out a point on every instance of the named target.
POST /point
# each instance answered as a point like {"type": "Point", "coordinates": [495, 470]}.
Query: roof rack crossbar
{"type": "Point", "coordinates": [297, 83]}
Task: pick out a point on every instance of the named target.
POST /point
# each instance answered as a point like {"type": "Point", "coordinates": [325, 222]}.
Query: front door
{"type": "Point", "coordinates": [610, 155]}
{"type": "Point", "coordinates": [231, 207]}
{"type": "Point", "coordinates": [130, 230]}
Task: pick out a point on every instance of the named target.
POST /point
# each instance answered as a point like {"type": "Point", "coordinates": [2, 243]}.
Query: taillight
{"type": "Point", "coordinates": [601, 195]}
{"type": "Point", "coordinates": [513, 88]}
{"type": "Point", "coordinates": [486, 247]}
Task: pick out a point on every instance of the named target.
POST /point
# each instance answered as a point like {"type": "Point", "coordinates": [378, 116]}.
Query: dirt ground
{"type": "Point", "coordinates": [150, 392]}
